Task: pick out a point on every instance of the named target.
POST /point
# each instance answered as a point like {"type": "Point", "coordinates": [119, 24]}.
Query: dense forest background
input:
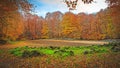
{"type": "Point", "coordinates": [17, 23]}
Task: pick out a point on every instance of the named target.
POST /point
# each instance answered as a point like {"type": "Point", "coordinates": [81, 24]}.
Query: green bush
{"type": "Point", "coordinates": [116, 47]}
{"type": "Point", "coordinates": [71, 53]}
{"type": "Point", "coordinates": [15, 50]}
{"type": "Point", "coordinates": [33, 53]}
{"type": "Point", "coordinates": [87, 52]}
{"type": "Point", "coordinates": [53, 47]}
{"type": "Point", "coordinates": [64, 53]}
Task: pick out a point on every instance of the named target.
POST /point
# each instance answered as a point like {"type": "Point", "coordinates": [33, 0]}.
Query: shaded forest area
{"type": "Point", "coordinates": [17, 23]}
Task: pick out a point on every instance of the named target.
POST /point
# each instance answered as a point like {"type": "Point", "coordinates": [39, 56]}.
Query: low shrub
{"type": "Point", "coordinates": [13, 51]}
{"type": "Point", "coordinates": [116, 47]}
{"type": "Point", "coordinates": [87, 52]}
{"type": "Point", "coordinates": [64, 53]}
{"type": "Point", "coordinates": [71, 53]}
{"type": "Point", "coordinates": [96, 49]}
{"type": "Point", "coordinates": [33, 53]}
{"type": "Point", "coordinates": [53, 47]}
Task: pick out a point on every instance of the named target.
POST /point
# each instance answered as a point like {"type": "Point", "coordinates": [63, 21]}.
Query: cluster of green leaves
{"type": "Point", "coordinates": [61, 51]}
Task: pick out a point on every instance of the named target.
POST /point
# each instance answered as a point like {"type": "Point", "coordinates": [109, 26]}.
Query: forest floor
{"type": "Point", "coordinates": [52, 53]}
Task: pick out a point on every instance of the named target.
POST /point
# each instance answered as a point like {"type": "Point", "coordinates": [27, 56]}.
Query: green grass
{"type": "Point", "coordinates": [64, 57]}
{"type": "Point", "coordinates": [63, 51]}
{"type": "Point", "coordinates": [1, 51]}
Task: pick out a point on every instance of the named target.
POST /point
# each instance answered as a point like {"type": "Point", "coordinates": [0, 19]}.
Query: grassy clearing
{"type": "Point", "coordinates": [61, 51]}
{"type": "Point", "coordinates": [96, 56]}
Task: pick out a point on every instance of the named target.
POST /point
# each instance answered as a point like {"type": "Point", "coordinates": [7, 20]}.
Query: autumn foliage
{"type": "Point", "coordinates": [17, 23]}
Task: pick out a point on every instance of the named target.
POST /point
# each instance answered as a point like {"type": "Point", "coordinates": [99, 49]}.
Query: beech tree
{"type": "Point", "coordinates": [70, 27]}
{"type": "Point", "coordinates": [114, 8]}
{"type": "Point", "coordinates": [34, 27]}
{"type": "Point", "coordinates": [10, 18]}
{"type": "Point", "coordinates": [14, 26]}
{"type": "Point", "coordinates": [16, 22]}
{"type": "Point", "coordinates": [54, 20]}
{"type": "Point", "coordinates": [44, 31]}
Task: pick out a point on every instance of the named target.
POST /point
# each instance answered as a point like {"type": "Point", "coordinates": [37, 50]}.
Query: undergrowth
{"type": "Point", "coordinates": [63, 51]}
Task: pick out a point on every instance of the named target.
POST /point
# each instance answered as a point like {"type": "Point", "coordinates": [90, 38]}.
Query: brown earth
{"type": "Point", "coordinates": [52, 42]}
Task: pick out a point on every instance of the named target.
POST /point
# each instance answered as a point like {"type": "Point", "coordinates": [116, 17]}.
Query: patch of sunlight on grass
{"type": "Point", "coordinates": [47, 51]}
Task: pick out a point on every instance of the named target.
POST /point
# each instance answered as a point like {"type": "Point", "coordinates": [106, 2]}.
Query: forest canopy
{"type": "Point", "coordinates": [18, 23]}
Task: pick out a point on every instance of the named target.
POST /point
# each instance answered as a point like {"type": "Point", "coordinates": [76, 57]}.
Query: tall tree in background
{"type": "Point", "coordinates": [108, 24]}
{"type": "Point", "coordinates": [44, 30]}
{"type": "Point", "coordinates": [16, 22]}
{"type": "Point", "coordinates": [84, 23]}
{"type": "Point", "coordinates": [31, 23]}
{"type": "Point", "coordinates": [14, 26]}
{"type": "Point", "coordinates": [53, 20]}
{"type": "Point", "coordinates": [70, 27]}
{"type": "Point", "coordinates": [114, 7]}
{"type": "Point", "coordinates": [10, 17]}
{"type": "Point", "coordinates": [35, 27]}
